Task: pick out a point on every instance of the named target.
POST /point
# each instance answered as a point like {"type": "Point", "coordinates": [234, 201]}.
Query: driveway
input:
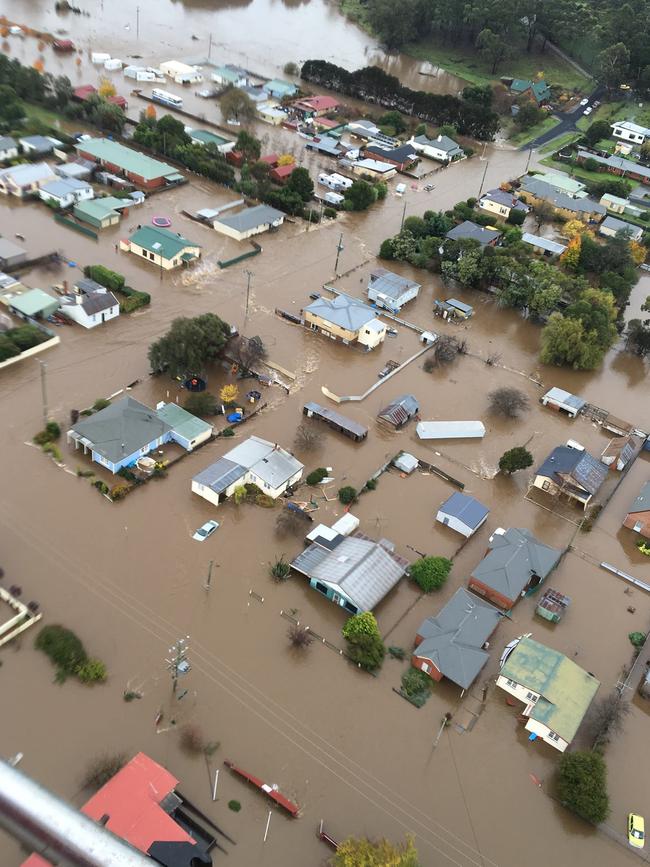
{"type": "Point", "coordinates": [568, 120]}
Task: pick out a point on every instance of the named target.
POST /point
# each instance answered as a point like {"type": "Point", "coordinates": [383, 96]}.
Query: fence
{"type": "Point", "coordinates": [226, 263]}
{"type": "Point", "coordinates": [66, 221]}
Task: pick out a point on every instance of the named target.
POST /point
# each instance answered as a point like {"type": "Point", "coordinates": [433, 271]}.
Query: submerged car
{"type": "Point", "coordinates": [206, 530]}
{"type": "Point", "coordinates": [636, 831]}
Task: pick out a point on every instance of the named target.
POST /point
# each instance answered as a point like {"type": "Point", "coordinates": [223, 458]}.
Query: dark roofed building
{"type": "Point", "coordinates": [452, 644]}
{"type": "Point", "coordinates": [462, 513]}
{"type": "Point", "coordinates": [401, 157]}
{"type": "Point", "coordinates": [391, 290]}
{"type": "Point", "coordinates": [573, 472]}
{"type": "Point", "coordinates": [468, 231]}
{"type": "Point", "coordinates": [638, 518]}
{"type": "Point", "coordinates": [515, 563]}
{"type": "Point", "coordinates": [399, 411]}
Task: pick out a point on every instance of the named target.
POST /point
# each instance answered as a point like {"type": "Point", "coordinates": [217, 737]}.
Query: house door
{"type": "Point", "coordinates": [425, 667]}
{"type": "Point", "coordinates": [445, 521]}
{"type": "Point", "coordinates": [336, 598]}
{"type": "Point", "coordinates": [103, 317]}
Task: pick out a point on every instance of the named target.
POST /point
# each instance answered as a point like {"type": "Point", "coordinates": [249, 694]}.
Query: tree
{"type": "Point", "coordinates": [62, 91]}
{"type": "Point", "coordinates": [544, 212]}
{"type": "Point", "coordinates": [248, 146]}
{"type": "Point", "coordinates": [189, 344]}
{"type": "Point", "coordinates": [286, 160]}
{"type": "Point", "coordinates": [301, 183]}
{"type": "Point", "coordinates": [394, 24]}
{"type": "Point", "coordinates": [517, 458]}
{"type": "Point", "coordinates": [11, 108]}
{"type": "Point", "coordinates": [582, 785]}
{"type": "Point", "coordinates": [291, 68]}
{"type": "Point", "coordinates": [299, 636]}
{"type": "Point", "coordinates": [528, 115]}
{"type": "Point", "coordinates": [606, 718]}
{"type": "Point", "coordinates": [360, 195]}
{"type": "Point", "coordinates": [493, 48]}
{"type": "Point", "coordinates": [308, 438]}
{"type": "Point", "coordinates": [379, 853]}
{"type": "Point", "coordinates": [445, 349]}
{"type": "Point", "coordinates": [229, 393]}
{"type": "Point", "coordinates": [291, 522]}
{"type": "Point", "coordinates": [637, 337]}
{"type": "Point", "coordinates": [600, 129]}
{"type": "Point", "coordinates": [237, 105]}
{"type": "Point", "coordinates": [248, 352]}
{"type": "Point", "coordinates": [360, 624]}
{"type": "Point", "coordinates": [201, 403]}
{"type": "Point", "coordinates": [516, 217]}
{"type": "Point", "coordinates": [612, 65]}
{"type": "Point", "coordinates": [571, 256]}
{"type": "Point", "coordinates": [367, 651]}
{"type": "Point", "coordinates": [109, 117]}
{"type": "Point", "coordinates": [480, 94]}
{"type": "Point", "coordinates": [150, 112]}
{"type": "Point", "coordinates": [509, 402]}
{"type": "Point", "coordinates": [106, 88]}
{"type": "Point", "coordinates": [347, 494]}
{"type": "Point", "coordinates": [394, 119]}
{"type": "Point", "coordinates": [430, 573]}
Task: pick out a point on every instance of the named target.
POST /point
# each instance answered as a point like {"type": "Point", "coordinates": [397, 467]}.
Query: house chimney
{"type": "Point", "coordinates": [78, 299]}
{"type": "Point", "coordinates": [439, 138]}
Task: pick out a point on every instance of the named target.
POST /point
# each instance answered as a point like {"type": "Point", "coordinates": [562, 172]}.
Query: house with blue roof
{"type": "Point", "coordinates": [279, 89]}
{"type": "Point", "coordinates": [571, 472]}
{"type": "Point", "coordinates": [462, 513]}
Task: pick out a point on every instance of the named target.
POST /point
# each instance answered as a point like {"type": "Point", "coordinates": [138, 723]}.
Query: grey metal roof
{"type": "Point", "coordinates": [501, 197]}
{"type": "Point", "coordinates": [251, 218]}
{"type": "Point", "coordinates": [642, 502]}
{"type": "Point", "coordinates": [343, 311]}
{"type": "Point", "coordinates": [27, 173]}
{"type": "Point", "coordinates": [460, 305]}
{"type": "Point", "coordinates": [621, 226]}
{"type": "Point", "coordinates": [326, 144]}
{"type": "Point", "coordinates": [390, 284]}
{"type": "Point", "coordinates": [95, 302]}
{"type": "Point", "coordinates": [453, 640]}
{"type": "Point", "coordinates": [441, 142]}
{"type": "Point", "coordinates": [617, 163]}
{"type": "Point", "coordinates": [39, 142]}
{"type": "Point", "coordinates": [64, 187]}
{"type": "Point", "coordinates": [559, 395]}
{"type": "Point", "coordinates": [364, 570]}
{"type": "Point", "coordinates": [469, 230]}
{"type": "Point", "coordinates": [580, 466]}
{"type": "Point", "coordinates": [513, 559]}
{"type": "Point", "coordinates": [543, 243]}
{"type": "Point", "coordinates": [85, 284]}
{"type": "Point", "coordinates": [220, 475]}
{"type": "Point", "coordinates": [7, 142]}
{"type": "Point", "coordinates": [267, 460]}
{"type": "Point", "coordinates": [465, 508]}
{"type": "Point", "coordinates": [542, 190]}
{"type": "Point", "coordinates": [406, 462]}
{"type": "Point", "coordinates": [341, 420]}
{"type": "Point", "coordinates": [8, 249]}
{"type": "Point", "coordinates": [121, 429]}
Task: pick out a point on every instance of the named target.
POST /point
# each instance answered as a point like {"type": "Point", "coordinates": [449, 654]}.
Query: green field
{"type": "Point", "coordinates": [557, 143]}
{"type": "Point", "coordinates": [521, 138]}
{"type": "Point", "coordinates": [37, 112]}
{"type": "Point", "coordinates": [583, 174]}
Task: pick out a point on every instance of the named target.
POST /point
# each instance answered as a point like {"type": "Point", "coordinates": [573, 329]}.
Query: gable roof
{"type": "Point", "coordinates": [251, 218]}
{"type": "Point", "coordinates": [390, 284]}
{"type": "Point", "coordinates": [399, 410]}
{"type": "Point", "coordinates": [34, 302]}
{"type": "Point", "coordinates": [40, 142]}
{"type": "Point", "coordinates": [642, 502]}
{"type": "Point", "coordinates": [402, 154]}
{"type": "Point", "coordinates": [467, 509]}
{"type": "Point", "coordinates": [580, 466]}
{"type": "Point", "coordinates": [343, 311]}
{"type": "Point", "coordinates": [514, 557]}
{"type": "Point", "coordinates": [543, 243]}
{"type": "Point", "coordinates": [121, 429]}
{"type": "Point", "coordinates": [468, 229]}
{"type": "Point", "coordinates": [220, 475]}
{"type": "Point", "coordinates": [441, 143]}
{"type": "Point", "coordinates": [182, 422]}
{"type": "Point", "coordinates": [317, 103]}
{"type": "Point", "coordinates": [566, 689]}
{"type": "Point", "coordinates": [561, 396]}
{"type": "Point", "coordinates": [95, 302]}
{"type": "Point", "coordinates": [364, 570]}
{"type": "Point", "coordinates": [617, 163]}
{"type": "Point", "coordinates": [126, 159]}
{"type": "Point", "coordinates": [617, 226]}
{"type": "Point", "coordinates": [453, 639]}
{"type": "Point", "coordinates": [501, 197]}
{"type": "Point", "coordinates": [27, 173]}
{"type": "Point", "coordinates": [7, 142]}
{"type": "Point", "coordinates": [547, 192]}
{"type": "Point", "coordinates": [539, 89]}
{"type": "Point", "coordinates": [273, 464]}
{"type": "Point", "coordinates": [621, 448]}
{"type": "Point", "coordinates": [63, 187]}
{"type": "Point", "coordinates": [631, 127]}
{"type": "Point", "coordinates": [161, 241]}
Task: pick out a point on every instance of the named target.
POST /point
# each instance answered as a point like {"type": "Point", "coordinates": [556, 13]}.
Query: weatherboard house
{"type": "Point", "coordinates": [515, 563]}
{"type": "Point", "coordinates": [453, 643]}
{"type": "Point", "coordinates": [573, 472]}
{"type": "Point", "coordinates": [161, 247]}
{"type": "Point", "coordinates": [638, 518]}
{"type": "Point", "coordinates": [556, 692]}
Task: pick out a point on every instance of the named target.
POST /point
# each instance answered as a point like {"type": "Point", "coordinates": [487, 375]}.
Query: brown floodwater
{"type": "Point", "coordinates": [128, 578]}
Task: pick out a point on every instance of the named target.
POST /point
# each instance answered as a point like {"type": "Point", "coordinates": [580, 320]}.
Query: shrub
{"type": "Point", "coordinates": [102, 487]}
{"type": "Point", "coordinates": [371, 484]}
{"type": "Point", "coordinates": [291, 521]}
{"type": "Point", "coordinates": [235, 806]}
{"type": "Point", "coordinates": [228, 432]}
{"type": "Point", "coordinates": [637, 639]}
{"type": "Point", "coordinates": [102, 769]}
{"type": "Point", "coordinates": [397, 652]}
{"type": "Point", "coordinates": [517, 458]}
{"type": "Point", "coordinates": [64, 649]}
{"type": "Point", "coordinates": [368, 651]}
{"type": "Point", "coordinates": [101, 403]}
{"type": "Point", "coordinates": [280, 570]}
{"type": "Point", "coordinates": [316, 476]}
{"type": "Point", "coordinates": [430, 573]}
{"type": "Point", "coordinates": [118, 492]}
{"type": "Point", "coordinates": [582, 785]}
{"type": "Point", "coordinates": [109, 279]}
{"type": "Point", "coordinates": [360, 624]}
{"type": "Point", "coordinates": [299, 636]}
{"type": "Point", "coordinates": [192, 740]}
{"type": "Point", "coordinates": [92, 671]}
{"type": "Point", "coordinates": [53, 430]}
{"type": "Point", "coordinates": [291, 68]}
{"type": "Point", "coordinates": [54, 451]}
{"type": "Point", "coordinates": [41, 438]}
{"type": "Point", "coordinates": [347, 494]}
{"type": "Point", "coordinates": [25, 336]}
{"type": "Point", "coordinates": [264, 501]}
{"type": "Point", "coordinates": [7, 348]}
{"type": "Point", "coordinates": [330, 213]}
{"type": "Point", "coordinates": [229, 393]}
{"type": "Point", "coordinates": [415, 682]}
{"type": "Point", "coordinates": [516, 218]}
{"type": "Point", "coordinates": [201, 403]}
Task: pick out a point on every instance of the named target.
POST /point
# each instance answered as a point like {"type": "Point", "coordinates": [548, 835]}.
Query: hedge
{"type": "Point", "coordinates": [117, 283]}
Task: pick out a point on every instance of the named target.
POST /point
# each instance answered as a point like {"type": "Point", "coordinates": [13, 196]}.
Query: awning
{"type": "Point", "coordinates": [187, 257]}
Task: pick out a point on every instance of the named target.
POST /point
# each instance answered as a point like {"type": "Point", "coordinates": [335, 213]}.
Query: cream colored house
{"type": "Point", "coordinates": [347, 320]}
{"type": "Point", "coordinates": [161, 247]}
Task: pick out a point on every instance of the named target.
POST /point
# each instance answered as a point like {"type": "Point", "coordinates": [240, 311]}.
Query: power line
{"type": "Point", "coordinates": [462, 793]}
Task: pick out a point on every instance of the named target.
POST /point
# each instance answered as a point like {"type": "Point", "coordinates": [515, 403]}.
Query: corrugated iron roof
{"type": "Point", "coordinates": [514, 557]}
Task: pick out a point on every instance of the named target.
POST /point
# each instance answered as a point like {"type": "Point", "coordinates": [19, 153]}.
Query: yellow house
{"type": "Point", "coordinates": [347, 320]}
{"type": "Point", "coordinates": [162, 248]}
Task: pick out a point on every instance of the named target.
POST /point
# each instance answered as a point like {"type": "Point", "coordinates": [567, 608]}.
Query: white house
{"type": "Point", "coordinates": [66, 192]}
{"type": "Point", "coordinates": [555, 691]}
{"type": "Point", "coordinates": [629, 131]}
{"type": "Point", "coordinates": [611, 227]}
{"type": "Point", "coordinates": [501, 203]}
{"type": "Point", "coordinates": [181, 73]}
{"type": "Point", "coordinates": [255, 461]}
{"type": "Point", "coordinates": [8, 148]}
{"type": "Point", "coordinates": [441, 148]}
{"type": "Point", "coordinates": [230, 74]}
{"type": "Point", "coordinates": [346, 319]}
{"type": "Point", "coordinates": [90, 304]}
{"type": "Point", "coordinates": [39, 145]}
{"type": "Point", "coordinates": [25, 179]}
{"type": "Point", "coordinates": [390, 290]}
{"type": "Point", "coordinates": [249, 222]}
{"type": "Point", "coordinates": [462, 513]}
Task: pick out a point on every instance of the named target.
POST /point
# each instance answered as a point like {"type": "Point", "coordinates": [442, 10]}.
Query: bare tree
{"type": "Point", "coordinates": [248, 351]}
{"type": "Point", "coordinates": [299, 636]}
{"type": "Point", "coordinates": [544, 212]}
{"type": "Point", "coordinates": [445, 349]}
{"type": "Point", "coordinates": [101, 769]}
{"type": "Point", "coordinates": [290, 522]}
{"type": "Point", "coordinates": [607, 718]}
{"type": "Point", "coordinates": [308, 437]}
{"type": "Point", "coordinates": [509, 402]}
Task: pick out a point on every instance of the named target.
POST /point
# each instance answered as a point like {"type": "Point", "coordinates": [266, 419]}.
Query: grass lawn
{"type": "Point", "coordinates": [356, 11]}
{"type": "Point", "coordinates": [559, 142]}
{"type": "Point", "coordinates": [37, 112]}
{"type": "Point", "coordinates": [520, 138]}
{"type": "Point", "coordinates": [619, 110]}
{"type": "Point", "coordinates": [583, 174]}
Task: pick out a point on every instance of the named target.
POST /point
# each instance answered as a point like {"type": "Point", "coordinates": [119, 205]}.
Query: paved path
{"type": "Point", "coordinates": [568, 120]}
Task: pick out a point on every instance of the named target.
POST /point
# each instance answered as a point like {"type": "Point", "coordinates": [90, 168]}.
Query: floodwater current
{"type": "Point", "coordinates": [129, 579]}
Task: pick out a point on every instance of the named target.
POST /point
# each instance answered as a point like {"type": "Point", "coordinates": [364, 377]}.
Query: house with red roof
{"type": "Point", "coordinates": [315, 106]}
{"type": "Point", "coordinates": [140, 805]}
{"type": "Point", "coordinates": [281, 174]}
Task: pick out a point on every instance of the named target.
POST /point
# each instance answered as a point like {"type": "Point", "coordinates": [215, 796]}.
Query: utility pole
{"type": "Point", "coordinates": [44, 390]}
{"type": "Point", "coordinates": [339, 247]}
{"type": "Point", "coordinates": [178, 663]}
{"type": "Point", "coordinates": [249, 275]}
{"type": "Point", "coordinates": [483, 178]}
{"type": "Point", "coordinates": [137, 22]}
{"type": "Point", "coordinates": [530, 153]}
{"type": "Point", "coordinates": [210, 47]}
{"type": "Point", "coordinates": [403, 217]}
{"type": "Point", "coordinates": [206, 586]}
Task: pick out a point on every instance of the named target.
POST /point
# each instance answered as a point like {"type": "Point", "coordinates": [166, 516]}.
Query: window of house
{"type": "Point", "coordinates": [531, 697]}
{"type": "Point", "coordinates": [151, 256]}
{"type": "Point", "coordinates": [552, 736]}
{"type": "Point", "coordinates": [546, 485]}
{"type": "Point", "coordinates": [351, 608]}
{"type": "Point", "coordinates": [322, 588]}
{"type": "Point", "coordinates": [512, 683]}
{"type": "Point", "coordinates": [144, 253]}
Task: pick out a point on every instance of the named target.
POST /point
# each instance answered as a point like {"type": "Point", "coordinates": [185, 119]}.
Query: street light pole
{"type": "Point", "coordinates": [339, 247]}
{"type": "Point", "coordinates": [209, 581]}
{"type": "Point", "coordinates": [249, 275]}
{"type": "Point", "coordinates": [483, 178]}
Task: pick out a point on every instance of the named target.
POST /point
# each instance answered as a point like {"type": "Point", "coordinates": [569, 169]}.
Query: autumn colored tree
{"type": "Point", "coordinates": [229, 393]}
{"type": "Point", "coordinates": [106, 88]}
{"type": "Point", "coordinates": [638, 252]}
{"type": "Point", "coordinates": [150, 112]}
{"type": "Point", "coordinates": [380, 853]}
{"type": "Point", "coordinates": [573, 228]}
{"type": "Point", "coordinates": [286, 160]}
{"type": "Point", "coordinates": [571, 256]}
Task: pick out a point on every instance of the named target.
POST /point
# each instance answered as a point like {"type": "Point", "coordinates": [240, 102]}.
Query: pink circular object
{"type": "Point", "coordinates": [161, 222]}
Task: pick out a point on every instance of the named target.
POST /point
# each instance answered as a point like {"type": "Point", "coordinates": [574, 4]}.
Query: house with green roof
{"type": "Point", "coordinates": [187, 430]}
{"type": "Point", "coordinates": [206, 137]}
{"type": "Point", "coordinates": [161, 247]}
{"type": "Point", "coordinates": [555, 691]}
{"type": "Point", "coordinates": [33, 304]}
{"type": "Point", "coordinates": [99, 213]}
{"type": "Point", "coordinates": [144, 171]}
{"type": "Point", "coordinates": [539, 91]}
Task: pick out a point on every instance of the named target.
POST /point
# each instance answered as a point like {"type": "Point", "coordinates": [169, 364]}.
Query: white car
{"type": "Point", "coordinates": [588, 110]}
{"type": "Point", "coordinates": [584, 101]}
{"type": "Point", "coordinates": [206, 530]}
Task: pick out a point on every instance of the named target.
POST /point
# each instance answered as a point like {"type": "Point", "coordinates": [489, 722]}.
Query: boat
{"type": "Point", "coordinates": [270, 791]}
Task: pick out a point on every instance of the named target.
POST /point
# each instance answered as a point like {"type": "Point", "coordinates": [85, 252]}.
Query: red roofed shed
{"type": "Point", "coordinates": [281, 174]}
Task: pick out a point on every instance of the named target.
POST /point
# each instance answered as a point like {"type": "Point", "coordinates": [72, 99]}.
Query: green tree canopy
{"type": "Point", "coordinates": [582, 785]}
{"type": "Point", "coordinates": [430, 573]}
{"type": "Point", "coordinates": [360, 195]}
{"type": "Point", "coordinates": [249, 146]}
{"type": "Point", "coordinates": [517, 458]}
{"type": "Point", "coordinates": [301, 183]}
{"type": "Point", "coordinates": [237, 105]}
{"type": "Point", "coordinates": [360, 624]}
{"type": "Point", "coordinates": [369, 853]}
{"type": "Point", "coordinates": [189, 345]}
